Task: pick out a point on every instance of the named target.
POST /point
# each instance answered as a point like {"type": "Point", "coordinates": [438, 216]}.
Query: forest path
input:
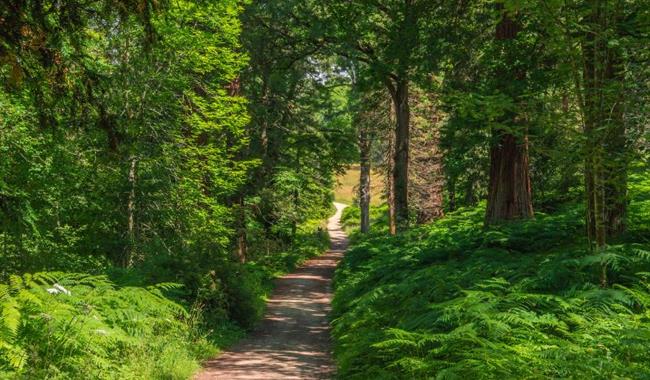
{"type": "Point", "coordinates": [293, 340]}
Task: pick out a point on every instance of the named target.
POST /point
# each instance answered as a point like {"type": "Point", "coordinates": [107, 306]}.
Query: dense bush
{"type": "Point", "coordinates": [378, 214]}
{"type": "Point", "coordinates": [452, 300]}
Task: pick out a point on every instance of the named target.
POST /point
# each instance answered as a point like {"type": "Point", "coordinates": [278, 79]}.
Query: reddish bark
{"type": "Point", "coordinates": [509, 192]}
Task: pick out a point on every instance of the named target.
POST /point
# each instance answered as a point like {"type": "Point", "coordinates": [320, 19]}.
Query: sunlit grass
{"type": "Point", "coordinates": [347, 187]}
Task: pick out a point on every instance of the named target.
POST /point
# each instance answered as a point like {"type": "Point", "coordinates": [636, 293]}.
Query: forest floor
{"type": "Point", "coordinates": [293, 340]}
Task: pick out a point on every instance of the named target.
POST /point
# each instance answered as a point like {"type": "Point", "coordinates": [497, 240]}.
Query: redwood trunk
{"type": "Point", "coordinates": [509, 193]}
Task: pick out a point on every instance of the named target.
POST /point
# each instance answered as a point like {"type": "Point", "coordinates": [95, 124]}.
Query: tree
{"type": "Point", "coordinates": [426, 177]}
{"type": "Point", "coordinates": [365, 146]}
{"type": "Point", "coordinates": [509, 191]}
{"type": "Point", "coordinates": [388, 38]}
{"type": "Point", "coordinates": [371, 118]}
{"type": "Point", "coordinates": [138, 133]}
{"type": "Point", "coordinates": [300, 129]}
{"type": "Point", "coordinates": [603, 43]}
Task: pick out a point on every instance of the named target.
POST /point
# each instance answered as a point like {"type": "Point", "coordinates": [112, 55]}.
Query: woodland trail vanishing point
{"type": "Point", "coordinates": [293, 340]}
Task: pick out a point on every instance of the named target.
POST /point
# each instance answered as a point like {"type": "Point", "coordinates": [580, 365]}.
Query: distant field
{"type": "Point", "coordinates": [347, 187]}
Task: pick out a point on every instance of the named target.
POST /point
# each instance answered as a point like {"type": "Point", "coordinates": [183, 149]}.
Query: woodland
{"type": "Point", "coordinates": [162, 161]}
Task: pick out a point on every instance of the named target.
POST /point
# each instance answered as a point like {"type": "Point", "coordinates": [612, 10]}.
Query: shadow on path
{"type": "Point", "coordinates": [293, 340]}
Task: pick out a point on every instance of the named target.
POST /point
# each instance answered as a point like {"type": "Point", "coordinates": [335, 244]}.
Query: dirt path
{"type": "Point", "coordinates": [293, 341]}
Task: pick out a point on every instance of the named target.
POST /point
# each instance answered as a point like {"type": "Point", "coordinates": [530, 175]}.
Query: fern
{"type": "Point", "coordinates": [450, 301]}
{"type": "Point", "coordinates": [97, 330]}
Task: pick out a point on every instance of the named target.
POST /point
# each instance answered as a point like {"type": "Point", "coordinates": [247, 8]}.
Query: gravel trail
{"type": "Point", "coordinates": [293, 340]}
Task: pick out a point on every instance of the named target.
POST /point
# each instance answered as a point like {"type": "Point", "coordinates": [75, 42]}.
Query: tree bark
{"type": "Point", "coordinates": [242, 241]}
{"type": "Point", "coordinates": [615, 149]}
{"type": "Point", "coordinates": [590, 80]}
{"type": "Point", "coordinates": [390, 186]}
{"type": "Point", "coordinates": [131, 233]}
{"type": "Point", "coordinates": [364, 179]}
{"type": "Point", "coordinates": [452, 195]}
{"type": "Point", "coordinates": [606, 156]}
{"type": "Point", "coordinates": [401, 155]}
{"type": "Point", "coordinates": [606, 146]}
{"type": "Point", "coordinates": [426, 177]}
{"type": "Point", "coordinates": [509, 191]}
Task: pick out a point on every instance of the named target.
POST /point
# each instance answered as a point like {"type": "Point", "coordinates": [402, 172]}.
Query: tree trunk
{"type": "Point", "coordinates": [392, 219]}
{"type": "Point", "coordinates": [390, 186]}
{"type": "Point", "coordinates": [401, 155]}
{"type": "Point", "coordinates": [615, 150]}
{"type": "Point", "coordinates": [604, 126]}
{"type": "Point", "coordinates": [452, 195]}
{"type": "Point", "coordinates": [131, 249]}
{"type": "Point", "coordinates": [364, 180]}
{"type": "Point", "coordinates": [509, 191]}
{"type": "Point", "coordinates": [426, 177]}
{"type": "Point", "coordinates": [592, 143]}
{"type": "Point", "coordinates": [606, 157]}
{"type": "Point", "coordinates": [470, 199]}
{"type": "Point", "coordinates": [242, 241]}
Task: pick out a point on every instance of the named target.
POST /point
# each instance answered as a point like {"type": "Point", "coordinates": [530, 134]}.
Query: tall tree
{"type": "Point", "coordinates": [300, 130]}
{"type": "Point", "coordinates": [372, 119]}
{"type": "Point", "coordinates": [604, 123]}
{"type": "Point", "coordinates": [388, 37]}
{"type": "Point", "coordinates": [509, 191]}
{"type": "Point", "coordinates": [426, 177]}
{"type": "Point", "coordinates": [604, 43]}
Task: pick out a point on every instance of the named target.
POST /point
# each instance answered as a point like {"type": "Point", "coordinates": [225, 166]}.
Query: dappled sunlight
{"type": "Point", "coordinates": [293, 340]}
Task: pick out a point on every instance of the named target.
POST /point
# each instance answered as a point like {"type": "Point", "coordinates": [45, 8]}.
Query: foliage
{"type": "Point", "coordinates": [66, 325]}
{"type": "Point", "coordinates": [300, 129]}
{"type": "Point", "coordinates": [197, 142]}
{"type": "Point", "coordinates": [522, 300]}
{"type": "Point", "coordinates": [63, 325]}
{"type": "Point", "coordinates": [127, 132]}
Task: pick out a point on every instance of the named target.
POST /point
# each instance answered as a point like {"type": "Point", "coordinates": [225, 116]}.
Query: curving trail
{"type": "Point", "coordinates": [293, 340]}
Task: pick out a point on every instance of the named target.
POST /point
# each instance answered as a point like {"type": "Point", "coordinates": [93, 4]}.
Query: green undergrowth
{"type": "Point", "coordinates": [378, 214]}
{"type": "Point", "coordinates": [311, 240]}
{"type": "Point", "coordinates": [64, 326]}
{"type": "Point", "coordinates": [452, 300]}
{"type": "Point", "coordinates": [56, 325]}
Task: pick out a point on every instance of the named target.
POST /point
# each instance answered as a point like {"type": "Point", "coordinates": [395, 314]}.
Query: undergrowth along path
{"type": "Point", "coordinates": [293, 340]}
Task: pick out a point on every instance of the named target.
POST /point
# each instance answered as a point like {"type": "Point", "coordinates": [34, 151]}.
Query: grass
{"type": "Point", "coordinates": [348, 185]}
{"type": "Point", "coordinates": [521, 301]}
